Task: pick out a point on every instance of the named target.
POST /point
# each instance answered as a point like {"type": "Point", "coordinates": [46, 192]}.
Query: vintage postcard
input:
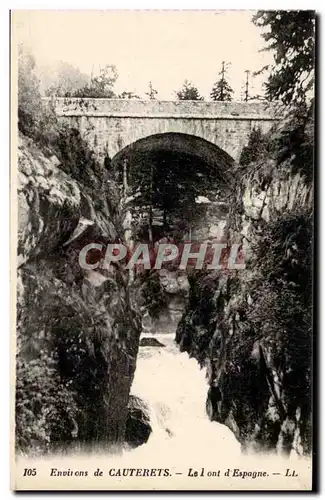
{"type": "Point", "coordinates": [162, 167]}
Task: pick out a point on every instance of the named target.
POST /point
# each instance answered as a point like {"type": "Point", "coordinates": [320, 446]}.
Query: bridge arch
{"type": "Point", "coordinates": [180, 145]}
{"type": "Point", "coordinates": [192, 178]}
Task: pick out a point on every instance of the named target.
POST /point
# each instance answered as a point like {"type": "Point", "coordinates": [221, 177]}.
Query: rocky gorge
{"type": "Point", "coordinates": [78, 331]}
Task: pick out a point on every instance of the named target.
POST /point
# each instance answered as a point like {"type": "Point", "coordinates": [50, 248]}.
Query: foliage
{"type": "Point", "coordinates": [291, 35]}
{"type": "Point", "coordinates": [159, 184]}
{"type": "Point", "coordinates": [221, 90]}
{"type": "Point", "coordinates": [63, 80]}
{"type": "Point", "coordinates": [77, 159]}
{"type": "Point", "coordinates": [290, 144]}
{"type": "Point", "coordinates": [39, 122]}
{"type": "Point", "coordinates": [281, 291]}
{"type": "Point", "coordinates": [151, 92]}
{"type": "Point", "coordinates": [188, 92]}
{"type": "Point", "coordinates": [29, 95]}
{"type": "Point", "coordinates": [46, 408]}
{"type": "Point", "coordinates": [260, 324]}
{"type": "Point", "coordinates": [255, 149]}
{"type": "Point", "coordinates": [70, 82]}
{"type": "Point", "coordinates": [284, 254]}
{"type": "Point", "coordinates": [33, 117]}
{"type": "Point", "coordinates": [100, 86]}
{"type": "Point", "coordinates": [293, 141]}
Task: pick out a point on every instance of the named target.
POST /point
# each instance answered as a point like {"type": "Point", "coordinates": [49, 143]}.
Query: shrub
{"type": "Point", "coordinates": [46, 408]}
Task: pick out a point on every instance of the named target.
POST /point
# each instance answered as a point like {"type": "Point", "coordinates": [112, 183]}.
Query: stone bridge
{"type": "Point", "coordinates": [203, 129]}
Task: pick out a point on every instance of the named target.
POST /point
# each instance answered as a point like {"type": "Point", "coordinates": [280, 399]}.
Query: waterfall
{"type": "Point", "coordinates": [185, 451]}
{"type": "Point", "coordinates": [175, 389]}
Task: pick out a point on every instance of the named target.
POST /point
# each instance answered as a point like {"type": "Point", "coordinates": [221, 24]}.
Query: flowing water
{"type": "Point", "coordinates": [175, 389]}
{"type": "Point", "coordinates": [185, 451]}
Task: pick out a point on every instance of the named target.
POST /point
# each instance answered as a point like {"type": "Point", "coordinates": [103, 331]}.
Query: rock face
{"type": "Point", "coordinates": [175, 287]}
{"type": "Point", "coordinates": [138, 428]}
{"type": "Point", "coordinates": [252, 327]}
{"type": "Point", "coordinates": [165, 295]}
{"type": "Point", "coordinates": [77, 330]}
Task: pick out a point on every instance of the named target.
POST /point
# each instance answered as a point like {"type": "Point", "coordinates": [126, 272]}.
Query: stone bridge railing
{"type": "Point", "coordinates": [124, 108]}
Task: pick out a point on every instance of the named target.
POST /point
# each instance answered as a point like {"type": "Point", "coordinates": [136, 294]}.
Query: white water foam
{"type": "Point", "coordinates": [175, 389]}
{"type": "Point", "coordinates": [183, 440]}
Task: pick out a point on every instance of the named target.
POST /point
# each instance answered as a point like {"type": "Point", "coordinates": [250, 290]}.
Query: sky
{"type": "Point", "coordinates": [165, 47]}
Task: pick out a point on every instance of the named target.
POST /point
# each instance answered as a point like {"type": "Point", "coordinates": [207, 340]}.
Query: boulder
{"type": "Point", "coordinates": [150, 342]}
{"type": "Point", "coordinates": [138, 428]}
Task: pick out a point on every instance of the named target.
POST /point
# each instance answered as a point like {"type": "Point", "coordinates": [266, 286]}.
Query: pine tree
{"type": "Point", "coordinates": [291, 35]}
{"type": "Point", "coordinates": [152, 92]}
{"type": "Point", "coordinates": [189, 92]}
{"type": "Point", "coordinates": [247, 85]}
{"type": "Point", "coordinates": [221, 90]}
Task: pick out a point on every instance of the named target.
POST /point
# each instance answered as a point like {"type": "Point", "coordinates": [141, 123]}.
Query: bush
{"type": "Point", "coordinates": [255, 148]}
{"type": "Point", "coordinates": [46, 409]}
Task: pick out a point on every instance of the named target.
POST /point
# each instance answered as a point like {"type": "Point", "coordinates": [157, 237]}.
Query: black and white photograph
{"type": "Point", "coordinates": [162, 238]}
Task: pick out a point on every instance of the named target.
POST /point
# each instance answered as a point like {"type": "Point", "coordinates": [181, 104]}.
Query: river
{"type": "Point", "coordinates": [175, 389]}
{"type": "Point", "coordinates": [183, 442]}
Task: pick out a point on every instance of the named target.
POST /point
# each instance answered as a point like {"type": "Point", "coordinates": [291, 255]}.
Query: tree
{"type": "Point", "coordinates": [63, 80]}
{"type": "Point", "coordinates": [35, 119]}
{"type": "Point", "coordinates": [29, 96]}
{"type": "Point", "coordinates": [221, 90]}
{"type": "Point", "coordinates": [152, 92]}
{"type": "Point", "coordinates": [291, 36]}
{"type": "Point", "coordinates": [71, 82]}
{"type": "Point", "coordinates": [246, 85]}
{"type": "Point", "coordinates": [189, 93]}
{"type": "Point", "coordinates": [163, 186]}
{"type": "Point", "coordinates": [101, 86]}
